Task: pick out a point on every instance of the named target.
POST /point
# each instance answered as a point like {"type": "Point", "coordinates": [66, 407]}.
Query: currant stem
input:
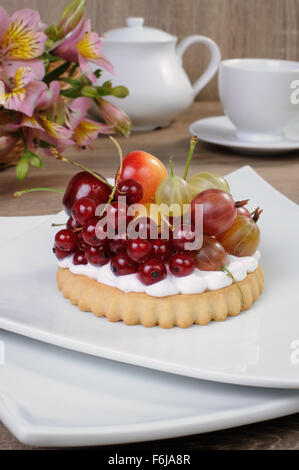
{"type": "Point", "coordinates": [171, 166]}
{"type": "Point", "coordinates": [193, 144]}
{"type": "Point", "coordinates": [242, 203]}
{"type": "Point", "coordinates": [256, 214]}
{"type": "Point", "coordinates": [58, 156]}
{"type": "Point", "coordinates": [227, 271]}
{"type": "Point", "coordinates": [58, 225]}
{"type": "Point", "coordinates": [32, 190]}
{"type": "Point", "coordinates": [121, 160]}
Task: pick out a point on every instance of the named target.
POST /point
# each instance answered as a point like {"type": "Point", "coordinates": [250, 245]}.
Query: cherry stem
{"type": "Point", "coordinates": [171, 166]}
{"type": "Point", "coordinates": [32, 190]}
{"type": "Point", "coordinates": [58, 225]}
{"type": "Point", "coordinates": [193, 144]}
{"type": "Point", "coordinates": [227, 271]}
{"type": "Point", "coordinates": [256, 214]}
{"type": "Point", "coordinates": [241, 203]}
{"type": "Point", "coordinates": [121, 160]}
{"type": "Point", "coordinates": [58, 156]}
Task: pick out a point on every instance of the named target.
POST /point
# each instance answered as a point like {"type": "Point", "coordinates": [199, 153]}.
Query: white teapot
{"type": "Point", "coordinates": [148, 62]}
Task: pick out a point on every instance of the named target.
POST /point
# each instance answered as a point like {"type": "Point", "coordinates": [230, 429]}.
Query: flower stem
{"type": "Point", "coordinates": [193, 143]}
{"type": "Point", "coordinates": [32, 190]}
{"type": "Point", "coordinates": [58, 156]}
{"type": "Point", "coordinates": [227, 271]}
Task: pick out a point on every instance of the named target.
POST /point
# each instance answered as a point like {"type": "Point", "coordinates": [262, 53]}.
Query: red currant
{"type": "Point", "coordinates": [79, 258]}
{"type": "Point", "coordinates": [99, 256]}
{"type": "Point", "coordinates": [131, 189]}
{"type": "Point", "coordinates": [65, 240]}
{"type": "Point", "coordinates": [161, 249]}
{"type": "Point", "coordinates": [121, 265]}
{"type": "Point", "coordinates": [90, 233]}
{"type": "Point", "coordinates": [117, 215]}
{"type": "Point", "coordinates": [60, 254]}
{"type": "Point", "coordinates": [72, 224]}
{"type": "Point", "coordinates": [181, 236]}
{"type": "Point", "coordinates": [81, 245]}
{"type": "Point", "coordinates": [152, 271]}
{"type": "Point", "coordinates": [143, 227]}
{"type": "Point", "coordinates": [139, 250]}
{"type": "Point", "coordinates": [181, 264]}
{"type": "Point", "coordinates": [118, 244]}
{"type": "Point", "coordinates": [84, 209]}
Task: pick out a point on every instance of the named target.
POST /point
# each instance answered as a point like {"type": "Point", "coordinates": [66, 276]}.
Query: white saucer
{"type": "Point", "coordinates": [220, 130]}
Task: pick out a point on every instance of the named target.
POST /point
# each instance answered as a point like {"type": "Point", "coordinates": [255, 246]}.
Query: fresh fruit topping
{"type": "Point", "coordinates": [79, 258]}
{"type": "Point", "coordinates": [139, 250]}
{"type": "Point", "coordinates": [243, 211]}
{"type": "Point", "coordinates": [131, 189]}
{"type": "Point", "coordinates": [243, 237]}
{"type": "Point", "coordinates": [60, 254]}
{"type": "Point", "coordinates": [161, 249]}
{"type": "Point", "coordinates": [84, 184]}
{"type": "Point", "coordinates": [207, 180]}
{"type": "Point", "coordinates": [181, 264]}
{"type": "Point", "coordinates": [147, 170]}
{"type": "Point", "coordinates": [143, 227]}
{"type": "Point", "coordinates": [211, 256]}
{"type": "Point", "coordinates": [99, 256]}
{"type": "Point", "coordinates": [219, 210]}
{"type": "Point", "coordinates": [152, 271]}
{"type": "Point", "coordinates": [117, 215]}
{"type": "Point", "coordinates": [173, 193]}
{"type": "Point", "coordinates": [183, 236]}
{"type": "Point", "coordinates": [72, 224]}
{"type": "Point", "coordinates": [65, 240]}
{"type": "Point", "coordinates": [90, 233]}
{"type": "Point", "coordinates": [118, 244]}
{"type": "Point", "coordinates": [122, 265]}
{"type": "Point", "coordinates": [84, 209]}
{"type": "Point", "coordinates": [81, 245]}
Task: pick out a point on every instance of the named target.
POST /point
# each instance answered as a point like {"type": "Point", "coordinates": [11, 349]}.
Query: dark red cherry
{"type": "Point", "coordinates": [161, 249]}
{"type": "Point", "coordinates": [99, 256]}
{"type": "Point", "coordinates": [65, 240]}
{"type": "Point", "coordinates": [131, 189]}
{"type": "Point", "coordinates": [118, 244]}
{"type": "Point", "coordinates": [83, 210]}
{"type": "Point", "coordinates": [92, 234]}
{"type": "Point", "coordinates": [84, 184]}
{"type": "Point", "coordinates": [79, 258]}
{"type": "Point", "coordinates": [139, 250]}
{"type": "Point", "coordinates": [60, 254]}
{"type": "Point", "coordinates": [143, 227]}
{"type": "Point", "coordinates": [181, 264]}
{"type": "Point", "coordinates": [122, 265]}
{"type": "Point", "coordinates": [72, 224]}
{"type": "Point", "coordinates": [152, 271]}
{"type": "Point", "coordinates": [181, 236]}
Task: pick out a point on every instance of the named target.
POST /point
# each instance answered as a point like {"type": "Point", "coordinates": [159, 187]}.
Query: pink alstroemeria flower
{"type": "Point", "coordinates": [83, 46]}
{"type": "Point", "coordinates": [22, 92]}
{"type": "Point", "coordinates": [21, 42]}
{"type": "Point", "coordinates": [85, 131]}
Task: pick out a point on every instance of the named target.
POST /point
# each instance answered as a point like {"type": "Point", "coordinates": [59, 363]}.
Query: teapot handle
{"type": "Point", "coordinates": [213, 66]}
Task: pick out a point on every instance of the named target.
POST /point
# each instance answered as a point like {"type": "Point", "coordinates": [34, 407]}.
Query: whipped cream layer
{"type": "Point", "coordinates": [196, 283]}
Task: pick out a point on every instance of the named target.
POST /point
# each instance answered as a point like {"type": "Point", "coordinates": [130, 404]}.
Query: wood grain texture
{"type": "Point", "coordinates": [281, 171]}
{"type": "Point", "coordinates": [242, 28]}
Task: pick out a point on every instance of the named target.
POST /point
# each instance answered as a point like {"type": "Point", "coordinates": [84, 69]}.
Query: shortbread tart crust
{"type": "Point", "coordinates": [175, 310]}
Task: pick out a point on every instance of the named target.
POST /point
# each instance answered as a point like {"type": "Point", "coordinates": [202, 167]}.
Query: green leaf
{"type": "Point", "coordinates": [22, 168]}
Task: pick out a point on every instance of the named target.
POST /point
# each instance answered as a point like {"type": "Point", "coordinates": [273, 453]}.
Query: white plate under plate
{"type": "Point", "coordinates": [50, 396]}
{"type": "Point", "coordinates": [221, 131]}
{"type": "Point", "coordinates": [255, 348]}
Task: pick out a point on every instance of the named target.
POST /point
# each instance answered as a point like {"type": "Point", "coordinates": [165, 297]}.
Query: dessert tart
{"type": "Point", "coordinates": [157, 267]}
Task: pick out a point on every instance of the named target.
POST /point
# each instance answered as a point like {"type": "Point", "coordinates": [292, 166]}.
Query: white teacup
{"type": "Point", "coordinates": [256, 96]}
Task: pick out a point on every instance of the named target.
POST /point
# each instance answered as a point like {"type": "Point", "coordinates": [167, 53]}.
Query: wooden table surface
{"type": "Point", "coordinates": [281, 171]}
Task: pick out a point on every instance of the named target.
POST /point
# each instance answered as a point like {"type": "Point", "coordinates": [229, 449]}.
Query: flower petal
{"type": "Point", "coordinates": [49, 96]}
{"type": "Point", "coordinates": [22, 39]}
{"type": "Point", "coordinates": [55, 130]}
{"type": "Point", "coordinates": [11, 99]}
{"type": "Point", "coordinates": [32, 95]}
{"type": "Point", "coordinates": [77, 111]}
{"type": "Point", "coordinates": [88, 130]}
{"type": "Point", "coordinates": [10, 67]}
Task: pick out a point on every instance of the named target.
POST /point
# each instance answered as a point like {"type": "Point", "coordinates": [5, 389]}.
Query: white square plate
{"type": "Point", "coordinates": [256, 348]}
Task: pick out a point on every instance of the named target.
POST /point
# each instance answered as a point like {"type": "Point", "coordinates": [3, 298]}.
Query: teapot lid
{"type": "Point", "coordinates": [136, 32]}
